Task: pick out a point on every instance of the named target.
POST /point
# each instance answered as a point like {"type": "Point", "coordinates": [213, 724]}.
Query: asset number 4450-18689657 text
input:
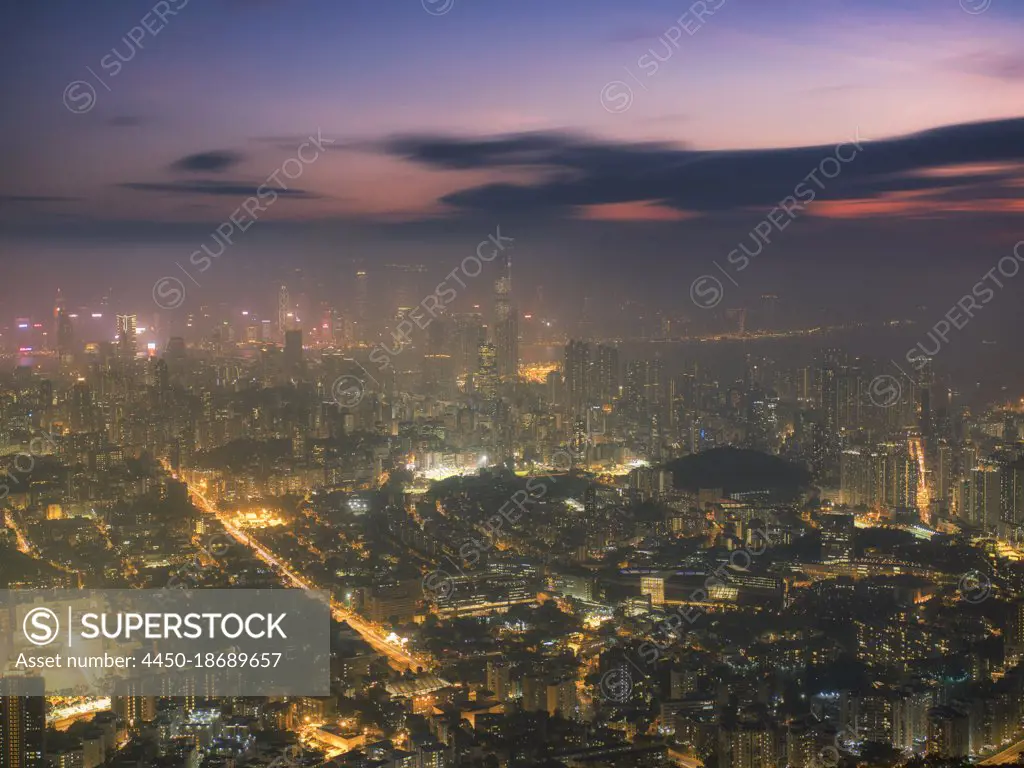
{"type": "Point", "coordinates": [263, 660]}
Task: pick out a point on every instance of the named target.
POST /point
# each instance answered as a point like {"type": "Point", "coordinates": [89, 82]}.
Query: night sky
{"type": "Point", "coordinates": [590, 130]}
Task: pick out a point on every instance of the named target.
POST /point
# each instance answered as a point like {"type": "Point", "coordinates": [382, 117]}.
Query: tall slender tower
{"type": "Point", "coordinates": [63, 337]}
{"type": "Point", "coordinates": [283, 308]}
{"type": "Point", "coordinates": [506, 326]}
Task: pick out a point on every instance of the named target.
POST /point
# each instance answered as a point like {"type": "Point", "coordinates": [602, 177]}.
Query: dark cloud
{"type": "Point", "coordinates": [579, 171]}
{"type": "Point", "coordinates": [36, 199]}
{"type": "Point", "coordinates": [215, 161]}
{"type": "Point", "coordinates": [215, 187]}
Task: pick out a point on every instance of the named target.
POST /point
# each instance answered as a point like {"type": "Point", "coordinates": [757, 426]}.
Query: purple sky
{"type": "Point", "coordinates": [652, 125]}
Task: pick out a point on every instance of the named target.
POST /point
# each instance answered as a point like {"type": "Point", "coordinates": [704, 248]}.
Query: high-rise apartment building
{"type": "Point", "coordinates": [22, 727]}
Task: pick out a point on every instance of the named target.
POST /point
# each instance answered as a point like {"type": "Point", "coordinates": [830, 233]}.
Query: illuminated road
{"type": "Point", "coordinates": [62, 717]}
{"type": "Point", "coordinates": [1009, 755]}
{"type": "Point", "coordinates": [923, 496]}
{"type": "Point", "coordinates": [374, 637]}
{"type": "Point", "coordinates": [24, 545]}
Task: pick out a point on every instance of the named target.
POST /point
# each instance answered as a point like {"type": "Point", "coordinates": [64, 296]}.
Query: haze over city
{"type": "Point", "coordinates": [437, 383]}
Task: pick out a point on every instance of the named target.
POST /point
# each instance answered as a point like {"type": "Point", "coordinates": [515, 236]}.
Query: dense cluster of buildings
{"type": "Point", "coordinates": [541, 546]}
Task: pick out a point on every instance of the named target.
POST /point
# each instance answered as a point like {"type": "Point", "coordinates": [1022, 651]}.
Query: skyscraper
{"type": "Point", "coordinates": [644, 386]}
{"type": "Point", "coordinates": [1011, 501]}
{"type": "Point", "coordinates": [127, 332]}
{"type": "Point", "coordinates": [22, 726]}
{"type": "Point", "coordinates": [361, 302]}
{"type": "Point", "coordinates": [605, 389]}
{"type": "Point", "coordinates": [62, 332]}
{"type": "Point", "coordinates": [506, 326]}
{"type": "Point", "coordinates": [284, 311]}
{"type": "Point", "coordinates": [985, 496]}
{"type": "Point", "coordinates": [487, 372]}
{"type": "Point", "coordinates": [293, 349]}
{"type": "Point", "coordinates": [577, 376]}
{"type": "Point", "coordinates": [467, 334]}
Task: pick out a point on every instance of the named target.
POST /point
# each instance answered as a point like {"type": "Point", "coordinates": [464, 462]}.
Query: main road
{"type": "Point", "coordinates": [1009, 755]}
{"type": "Point", "coordinates": [397, 656]}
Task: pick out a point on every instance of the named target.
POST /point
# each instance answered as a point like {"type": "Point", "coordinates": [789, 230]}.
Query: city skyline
{"type": "Point", "coordinates": [453, 384]}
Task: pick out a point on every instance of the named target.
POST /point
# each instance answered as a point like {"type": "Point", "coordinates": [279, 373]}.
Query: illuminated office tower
{"type": "Point", "coordinates": [284, 311]}
{"type": "Point", "coordinates": [127, 333]}
{"type": "Point", "coordinates": [506, 326]}
{"type": "Point", "coordinates": [487, 372]}
{"type": "Point", "coordinates": [22, 726]}
{"type": "Point", "coordinates": [655, 587]}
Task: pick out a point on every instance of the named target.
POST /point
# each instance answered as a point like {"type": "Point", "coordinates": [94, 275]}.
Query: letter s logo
{"type": "Point", "coordinates": [40, 626]}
